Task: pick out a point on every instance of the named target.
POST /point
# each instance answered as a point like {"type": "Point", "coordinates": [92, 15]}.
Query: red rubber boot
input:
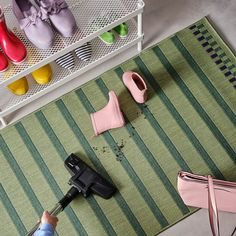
{"type": "Point", "coordinates": [3, 62]}
{"type": "Point", "coordinates": [13, 48]}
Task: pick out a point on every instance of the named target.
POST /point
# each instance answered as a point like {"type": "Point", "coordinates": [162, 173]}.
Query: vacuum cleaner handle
{"type": "Point", "coordinates": [59, 207]}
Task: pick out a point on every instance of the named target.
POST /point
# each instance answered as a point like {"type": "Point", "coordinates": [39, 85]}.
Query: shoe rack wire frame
{"type": "Point", "coordinates": [93, 17]}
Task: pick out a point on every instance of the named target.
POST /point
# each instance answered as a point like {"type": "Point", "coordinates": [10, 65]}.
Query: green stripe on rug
{"type": "Point", "coordinates": [213, 109]}
{"type": "Point", "coordinates": [20, 176]}
{"type": "Point", "coordinates": [204, 79]}
{"type": "Point", "coordinates": [11, 211]}
{"type": "Point", "coordinates": [202, 113]}
{"type": "Point", "coordinates": [6, 222]}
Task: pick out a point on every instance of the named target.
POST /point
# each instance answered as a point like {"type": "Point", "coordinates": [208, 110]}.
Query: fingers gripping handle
{"type": "Point", "coordinates": [55, 211]}
{"type": "Point", "coordinates": [59, 207]}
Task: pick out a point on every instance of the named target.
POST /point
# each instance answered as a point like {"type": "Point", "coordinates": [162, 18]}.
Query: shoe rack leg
{"type": "Point", "coordinates": [140, 29]}
{"type": "Point", "coordinates": [3, 121]}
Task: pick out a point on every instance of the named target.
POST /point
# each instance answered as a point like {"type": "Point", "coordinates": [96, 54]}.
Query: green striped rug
{"type": "Point", "coordinates": [187, 123]}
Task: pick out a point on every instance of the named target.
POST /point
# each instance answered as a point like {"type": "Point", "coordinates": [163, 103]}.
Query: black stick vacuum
{"type": "Point", "coordinates": [84, 180]}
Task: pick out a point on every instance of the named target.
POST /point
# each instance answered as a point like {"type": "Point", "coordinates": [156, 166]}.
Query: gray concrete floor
{"type": "Point", "coordinates": [165, 17]}
{"type": "Point", "coordinates": [162, 18]}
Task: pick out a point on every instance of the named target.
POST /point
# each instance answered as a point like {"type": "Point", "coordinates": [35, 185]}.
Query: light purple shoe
{"type": "Point", "coordinates": [60, 16]}
{"type": "Point", "coordinates": [37, 31]}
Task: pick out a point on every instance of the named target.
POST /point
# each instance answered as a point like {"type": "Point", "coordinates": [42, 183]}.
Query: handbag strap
{"type": "Point", "coordinates": [212, 208]}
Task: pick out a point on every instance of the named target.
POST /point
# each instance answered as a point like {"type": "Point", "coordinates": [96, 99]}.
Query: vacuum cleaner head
{"type": "Point", "coordinates": [87, 180]}
{"type": "Point", "coordinates": [84, 180]}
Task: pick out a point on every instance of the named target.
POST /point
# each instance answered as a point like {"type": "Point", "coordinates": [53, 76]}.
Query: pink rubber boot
{"type": "Point", "coordinates": [109, 117]}
{"type": "Point", "coordinates": [136, 85]}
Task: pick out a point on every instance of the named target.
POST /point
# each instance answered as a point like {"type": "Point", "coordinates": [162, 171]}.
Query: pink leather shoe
{"type": "Point", "coordinates": [109, 117]}
{"type": "Point", "coordinates": [136, 85]}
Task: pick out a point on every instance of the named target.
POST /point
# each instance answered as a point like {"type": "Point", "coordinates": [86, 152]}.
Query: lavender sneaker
{"type": "Point", "coordinates": [37, 31]}
{"type": "Point", "coordinates": [59, 15]}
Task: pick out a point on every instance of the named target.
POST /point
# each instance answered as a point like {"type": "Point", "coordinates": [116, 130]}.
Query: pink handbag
{"type": "Point", "coordinates": [206, 192]}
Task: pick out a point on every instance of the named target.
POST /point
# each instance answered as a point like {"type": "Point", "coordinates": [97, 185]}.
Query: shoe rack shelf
{"type": "Point", "coordinates": [86, 14]}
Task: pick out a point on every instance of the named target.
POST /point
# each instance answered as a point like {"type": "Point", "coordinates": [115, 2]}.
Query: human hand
{"type": "Point", "coordinates": [49, 219]}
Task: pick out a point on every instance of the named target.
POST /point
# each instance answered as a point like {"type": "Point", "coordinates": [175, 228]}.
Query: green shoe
{"type": "Point", "coordinates": [122, 30]}
{"type": "Point", "coordinates": [108, 37]}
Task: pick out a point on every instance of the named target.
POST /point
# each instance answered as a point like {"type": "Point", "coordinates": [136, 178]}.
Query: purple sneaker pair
{"type": "Point", "coordinates": [32, 20]}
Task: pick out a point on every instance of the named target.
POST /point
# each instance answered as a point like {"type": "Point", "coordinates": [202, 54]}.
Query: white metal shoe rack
{"type": "Point", "coordinates": [87, 13]}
